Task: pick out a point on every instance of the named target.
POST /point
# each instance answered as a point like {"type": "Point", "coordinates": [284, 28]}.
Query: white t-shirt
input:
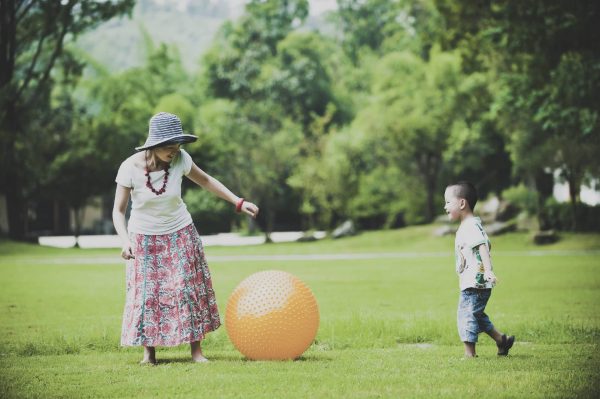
{"type": "Point", "coordinates": [469, 267]}
{"type": "Point", "coordinates": [153, 214]}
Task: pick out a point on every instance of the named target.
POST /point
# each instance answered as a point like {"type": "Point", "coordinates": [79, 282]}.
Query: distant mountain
{"type": "Point", "coordinates": [189, 24]}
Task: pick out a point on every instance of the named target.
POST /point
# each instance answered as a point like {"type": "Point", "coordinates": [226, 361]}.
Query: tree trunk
{"type": "Point", "coordinates": [574, 195]}
{"type": "Point", "coordinates": [10, 175]}
{"type": "Point", "coordinates": [429, 165]}
{"type": "Point", "coordinates": [56, 217]}
{"type": "Point", "coordinates": [251, 225]}
{"type": "Point", "coordinates": [78, 216]}
{"type": "Point", "coordinates": [270, 223]}
{"type": "Point", "coordinates": [544, 184]}
{"type": "Point", "coordinates": [430, 211]}
{"type": "Point", "coordinates": [16, 208]}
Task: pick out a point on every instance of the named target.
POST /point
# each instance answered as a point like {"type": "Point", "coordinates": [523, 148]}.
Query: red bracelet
{"type": "Point", "coordinates": [238, 206]}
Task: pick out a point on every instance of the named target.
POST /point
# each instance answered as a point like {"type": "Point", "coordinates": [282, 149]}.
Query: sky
{"type": "Point", "coordinates": [320, 6]}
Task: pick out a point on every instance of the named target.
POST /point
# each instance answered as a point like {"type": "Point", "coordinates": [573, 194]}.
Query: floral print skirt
{"type": "Point", "coordinates": [169, 299]}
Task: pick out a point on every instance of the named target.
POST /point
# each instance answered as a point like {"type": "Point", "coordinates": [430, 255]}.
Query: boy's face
{"type": "Point", "coordinates": [453, 205]}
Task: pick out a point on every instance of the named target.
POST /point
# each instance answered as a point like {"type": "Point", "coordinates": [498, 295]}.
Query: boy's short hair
{"type": "Point", "coordinates": [467, 191]}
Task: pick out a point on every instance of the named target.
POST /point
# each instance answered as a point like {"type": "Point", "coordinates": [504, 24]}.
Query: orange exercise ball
{"type": "Point", "coordinates": [272, 315]}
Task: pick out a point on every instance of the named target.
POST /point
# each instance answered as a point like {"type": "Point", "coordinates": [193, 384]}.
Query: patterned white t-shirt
{"type": "Point", "coordinates": [153, 214]}
{"type": "Point", "coordinates": [469, 267]}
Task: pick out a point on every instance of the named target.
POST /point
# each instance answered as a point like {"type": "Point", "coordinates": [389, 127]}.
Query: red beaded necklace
{"type": "Point", "coordinates": [165, 179]}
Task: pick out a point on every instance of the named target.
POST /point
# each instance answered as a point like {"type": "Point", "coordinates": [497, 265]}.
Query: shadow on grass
{"type": "Point", "coordinates": [313, 358]}
{"type": "Point", "coordinates": [188, 360]}
{"type": "Point", "coordinates": [238, 359]}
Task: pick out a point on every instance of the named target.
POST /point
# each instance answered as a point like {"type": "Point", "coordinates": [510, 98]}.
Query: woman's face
{"type": "Point", "coordinates": [168, 152]}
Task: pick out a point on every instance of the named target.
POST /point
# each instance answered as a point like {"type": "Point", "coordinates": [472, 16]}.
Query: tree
{"type": "Point", "coordinates": [383, 26]}
{"type": "Point", "coordinates": [426, 122]}
{"type": "Point", "coordinates": [233, 65]}
{"type": "Point", "coordinates": [33, 34]}
{"type": "Point", "coordinates": [546, 58]}
{"type": "Point", "coordinates": [310, 178]}
{"type": "Point", "coordinates": [365, 24]}
{"type": "Point", "coordinates": [253, 148]}
{"type": "Point", "coordinates": [278, 84]}
{"type": "Point", "coordinates": [299, 79]}
{"type": "Point", "coordinates": [102, 119]}
{"type": "Point", "coordinates": [569, 117]}
{"type": "Point", "coordinates": [417, 126]}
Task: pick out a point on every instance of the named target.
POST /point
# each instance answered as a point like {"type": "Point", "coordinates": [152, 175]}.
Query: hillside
{"type": "Point", "coordinates": [190, 25]}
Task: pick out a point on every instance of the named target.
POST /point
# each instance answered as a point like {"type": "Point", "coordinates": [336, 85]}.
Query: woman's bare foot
{"type": "Point", "coordinates": [197, 352]}
{"type": "Point", "coordinates": [149, 356]}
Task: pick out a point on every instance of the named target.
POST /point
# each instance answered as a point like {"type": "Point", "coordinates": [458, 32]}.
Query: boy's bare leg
{"type": "Point", "coordinates": [197, 352]}
{"type": "Point", "coordinates": [149, 355]}
{"type": "Point", "coordinates": [495, 335]}
{"type": "Point", "coordinates": [470, 349]}
{"type": "Point", "coordinates": [503, 342]}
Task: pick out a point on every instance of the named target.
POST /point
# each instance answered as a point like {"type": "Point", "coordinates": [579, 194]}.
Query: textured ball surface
{"type": "Point", "coordinates": [272, 315]}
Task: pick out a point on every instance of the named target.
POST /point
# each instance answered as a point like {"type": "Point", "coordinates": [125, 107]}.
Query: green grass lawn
{"type": "Point", "coordinates": [387, 324]}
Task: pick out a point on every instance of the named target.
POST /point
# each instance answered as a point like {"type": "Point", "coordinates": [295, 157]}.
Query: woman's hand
{"type": "Point", "coordinates": [127, 252]}
{"type": "Point", "coordinates": [250, 209]}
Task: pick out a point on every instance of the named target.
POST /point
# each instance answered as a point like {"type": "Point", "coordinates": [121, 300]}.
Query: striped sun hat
{"type": "Point", "coordinates": [165, 129]}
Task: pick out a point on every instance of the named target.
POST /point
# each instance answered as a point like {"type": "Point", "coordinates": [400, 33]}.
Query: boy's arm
{"type": "Point", "coordinates": [486, 259]}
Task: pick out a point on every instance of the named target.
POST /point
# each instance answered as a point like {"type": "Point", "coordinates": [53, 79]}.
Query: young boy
{"type": "Point", "coordinates": [474, 268]}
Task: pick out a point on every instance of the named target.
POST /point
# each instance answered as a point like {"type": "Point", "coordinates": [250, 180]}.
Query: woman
{"type": "Point", "coordinates": [169, 298]}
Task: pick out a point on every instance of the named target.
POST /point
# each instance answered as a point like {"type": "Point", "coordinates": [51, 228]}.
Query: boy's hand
{"type": "Point", "coordinates": [490, 276]}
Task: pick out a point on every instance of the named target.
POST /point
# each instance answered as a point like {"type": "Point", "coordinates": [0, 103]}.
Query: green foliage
{"type": "Point", "coordinates": [210, 213]}
{"type": "Point", "coordinates": [382, 26]}
{"type": "Point", "coordinates": [213, 121]}
{"type": "Point", "coordinates": [267, 154]}
{"type": "Point", "coordinates": [271, 20]}
{"type": "Point", "coordinates": [403, 136]}
{"type": "Point", "coordinates": [369, 123]}
{"type": "Point", "coordinates": [253, 148]}
{"type": "Point", "coordinates": [110, 120]}
{"type": "Point", "coordinates": [300, 80]}
{"type": "Point", "coordinates": [33, 40]}
{"type": "Point", "coordinates": [559, 216]}
{"type": "Point", "coordinates": [522, 197]}
{"type": "Point", "coordinates": [365, 23]}
{"type": "Point", "coordinates": [179, 105]}
{"type": "Point", "coordinates": [569, 115]}
{"type": "Point", "coordinates": [311, 178]}
{"type": "Point", "coordinates": [284, 101]}
{"type": "Point", "coordinates": [418, 102]}
{"type": "Point", "coordinates": [372, 201]}
{"type": "Point", "coordinates": [545, 57]}
{"type": "Point", "coordinates": [233, 66]}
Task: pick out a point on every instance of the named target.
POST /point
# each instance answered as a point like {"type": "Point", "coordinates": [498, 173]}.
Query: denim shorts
{"type": "Point", "coordinates": [471, 318]}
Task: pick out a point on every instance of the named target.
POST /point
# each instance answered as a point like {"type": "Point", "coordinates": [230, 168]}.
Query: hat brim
{"type": "Point", "coordinates": [182, 139]}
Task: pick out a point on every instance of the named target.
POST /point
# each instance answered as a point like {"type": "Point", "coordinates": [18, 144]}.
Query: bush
{"type": "Point", "coordinates": [522, 197]}
{"type": "Point", "coordinates": [559, 216]}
